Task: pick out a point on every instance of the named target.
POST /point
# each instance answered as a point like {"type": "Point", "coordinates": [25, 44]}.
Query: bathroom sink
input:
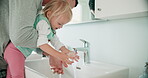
{"type": "Point", "coordinates": [39, 68]}
{"type": "Point", "coordinates": [100, 70]}
{"type": "Point", "coordinates": [34, 56]}
{"type": "Point", "coordinates": [96, 70]}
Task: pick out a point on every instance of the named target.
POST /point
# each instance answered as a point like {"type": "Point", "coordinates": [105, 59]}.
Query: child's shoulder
{"type": "Point", "coordinates": [41, 17]}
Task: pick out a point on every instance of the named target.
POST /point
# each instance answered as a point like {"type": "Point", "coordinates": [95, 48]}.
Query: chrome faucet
{"type": "Point", "coordinates": [85, 49]}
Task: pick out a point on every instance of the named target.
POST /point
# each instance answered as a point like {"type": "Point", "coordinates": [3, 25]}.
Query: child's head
{"type": "Point", "coordinates": [73, 3]}
{"type": "Point", "coordinates": [58, 13]}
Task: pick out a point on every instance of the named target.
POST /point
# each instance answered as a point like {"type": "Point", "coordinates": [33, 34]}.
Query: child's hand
{"type": "Point", "coordinates": [73, 55]}
{"type": "Point", "coordinates": [65, 58]}
{"type": "Point", "coordinates": [69, 54]}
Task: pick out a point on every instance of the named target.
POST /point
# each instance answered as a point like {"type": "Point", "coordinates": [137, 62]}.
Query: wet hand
{"type": "Point", "coordinates": [56, 65]}
{"type": "Point", "coordinates": [73, 55]}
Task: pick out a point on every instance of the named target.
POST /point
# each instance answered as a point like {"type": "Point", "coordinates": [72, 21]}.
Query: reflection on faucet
{"type": "Point", "coordinates": [85, 49]}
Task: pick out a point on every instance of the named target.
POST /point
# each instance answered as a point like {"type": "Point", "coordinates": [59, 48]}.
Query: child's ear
{"type": "Point", "coordinates": [48, 14]}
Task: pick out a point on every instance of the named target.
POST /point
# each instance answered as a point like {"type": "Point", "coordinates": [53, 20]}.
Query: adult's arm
{"type": "Point", "coordinates": [22, 14]}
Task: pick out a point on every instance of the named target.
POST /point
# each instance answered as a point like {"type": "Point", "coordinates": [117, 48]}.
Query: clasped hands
{"type": "Point", "coordinates": [58, 64]}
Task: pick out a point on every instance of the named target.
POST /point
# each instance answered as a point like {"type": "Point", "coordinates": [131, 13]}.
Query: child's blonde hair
{"type": "Point", "coordinates": [58, 7]}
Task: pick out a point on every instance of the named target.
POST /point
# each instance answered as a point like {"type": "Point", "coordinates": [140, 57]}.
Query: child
{"type": "Point", "coordinates": [55, 14]}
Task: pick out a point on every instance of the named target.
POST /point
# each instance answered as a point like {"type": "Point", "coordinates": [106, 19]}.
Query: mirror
{"type": "Point", "coordinates": [82, 12]}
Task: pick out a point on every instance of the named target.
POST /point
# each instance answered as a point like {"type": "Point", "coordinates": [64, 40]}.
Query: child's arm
{"type": "Point", "coordinates": [59, 46]}
{"type": "Point", "coordinates": [72, 55]}
{"type": "Point", "coordinates": [42, 42]}
{"type": "Point", "coordinates": [49, 50]}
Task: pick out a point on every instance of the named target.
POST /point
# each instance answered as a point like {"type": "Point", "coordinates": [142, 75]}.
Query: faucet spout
{"type": "Point", "coordinates": [86, 50]}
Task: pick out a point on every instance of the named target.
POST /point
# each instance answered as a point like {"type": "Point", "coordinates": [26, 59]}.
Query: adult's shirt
{"type": "Point", "coordinates": [16, 22]}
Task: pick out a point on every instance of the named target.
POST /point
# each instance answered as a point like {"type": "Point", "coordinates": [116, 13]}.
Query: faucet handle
{"type": "Point", "coordinates": [86, 43]}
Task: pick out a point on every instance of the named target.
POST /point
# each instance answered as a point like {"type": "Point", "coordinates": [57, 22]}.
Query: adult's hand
{"type": "Point", "coordinates": [57, 65]}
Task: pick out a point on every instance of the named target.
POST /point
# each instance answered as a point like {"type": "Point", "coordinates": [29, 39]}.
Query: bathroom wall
{"type": "Point", "coordinates": [121, 42]}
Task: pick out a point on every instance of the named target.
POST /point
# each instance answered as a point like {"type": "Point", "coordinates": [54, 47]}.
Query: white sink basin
{"type": "Point", "coordinates": [99, 70]}
{"type": "Point", "coordinates": [40, 69]}
{"type": "Point", "coordinates": [34, 56]}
